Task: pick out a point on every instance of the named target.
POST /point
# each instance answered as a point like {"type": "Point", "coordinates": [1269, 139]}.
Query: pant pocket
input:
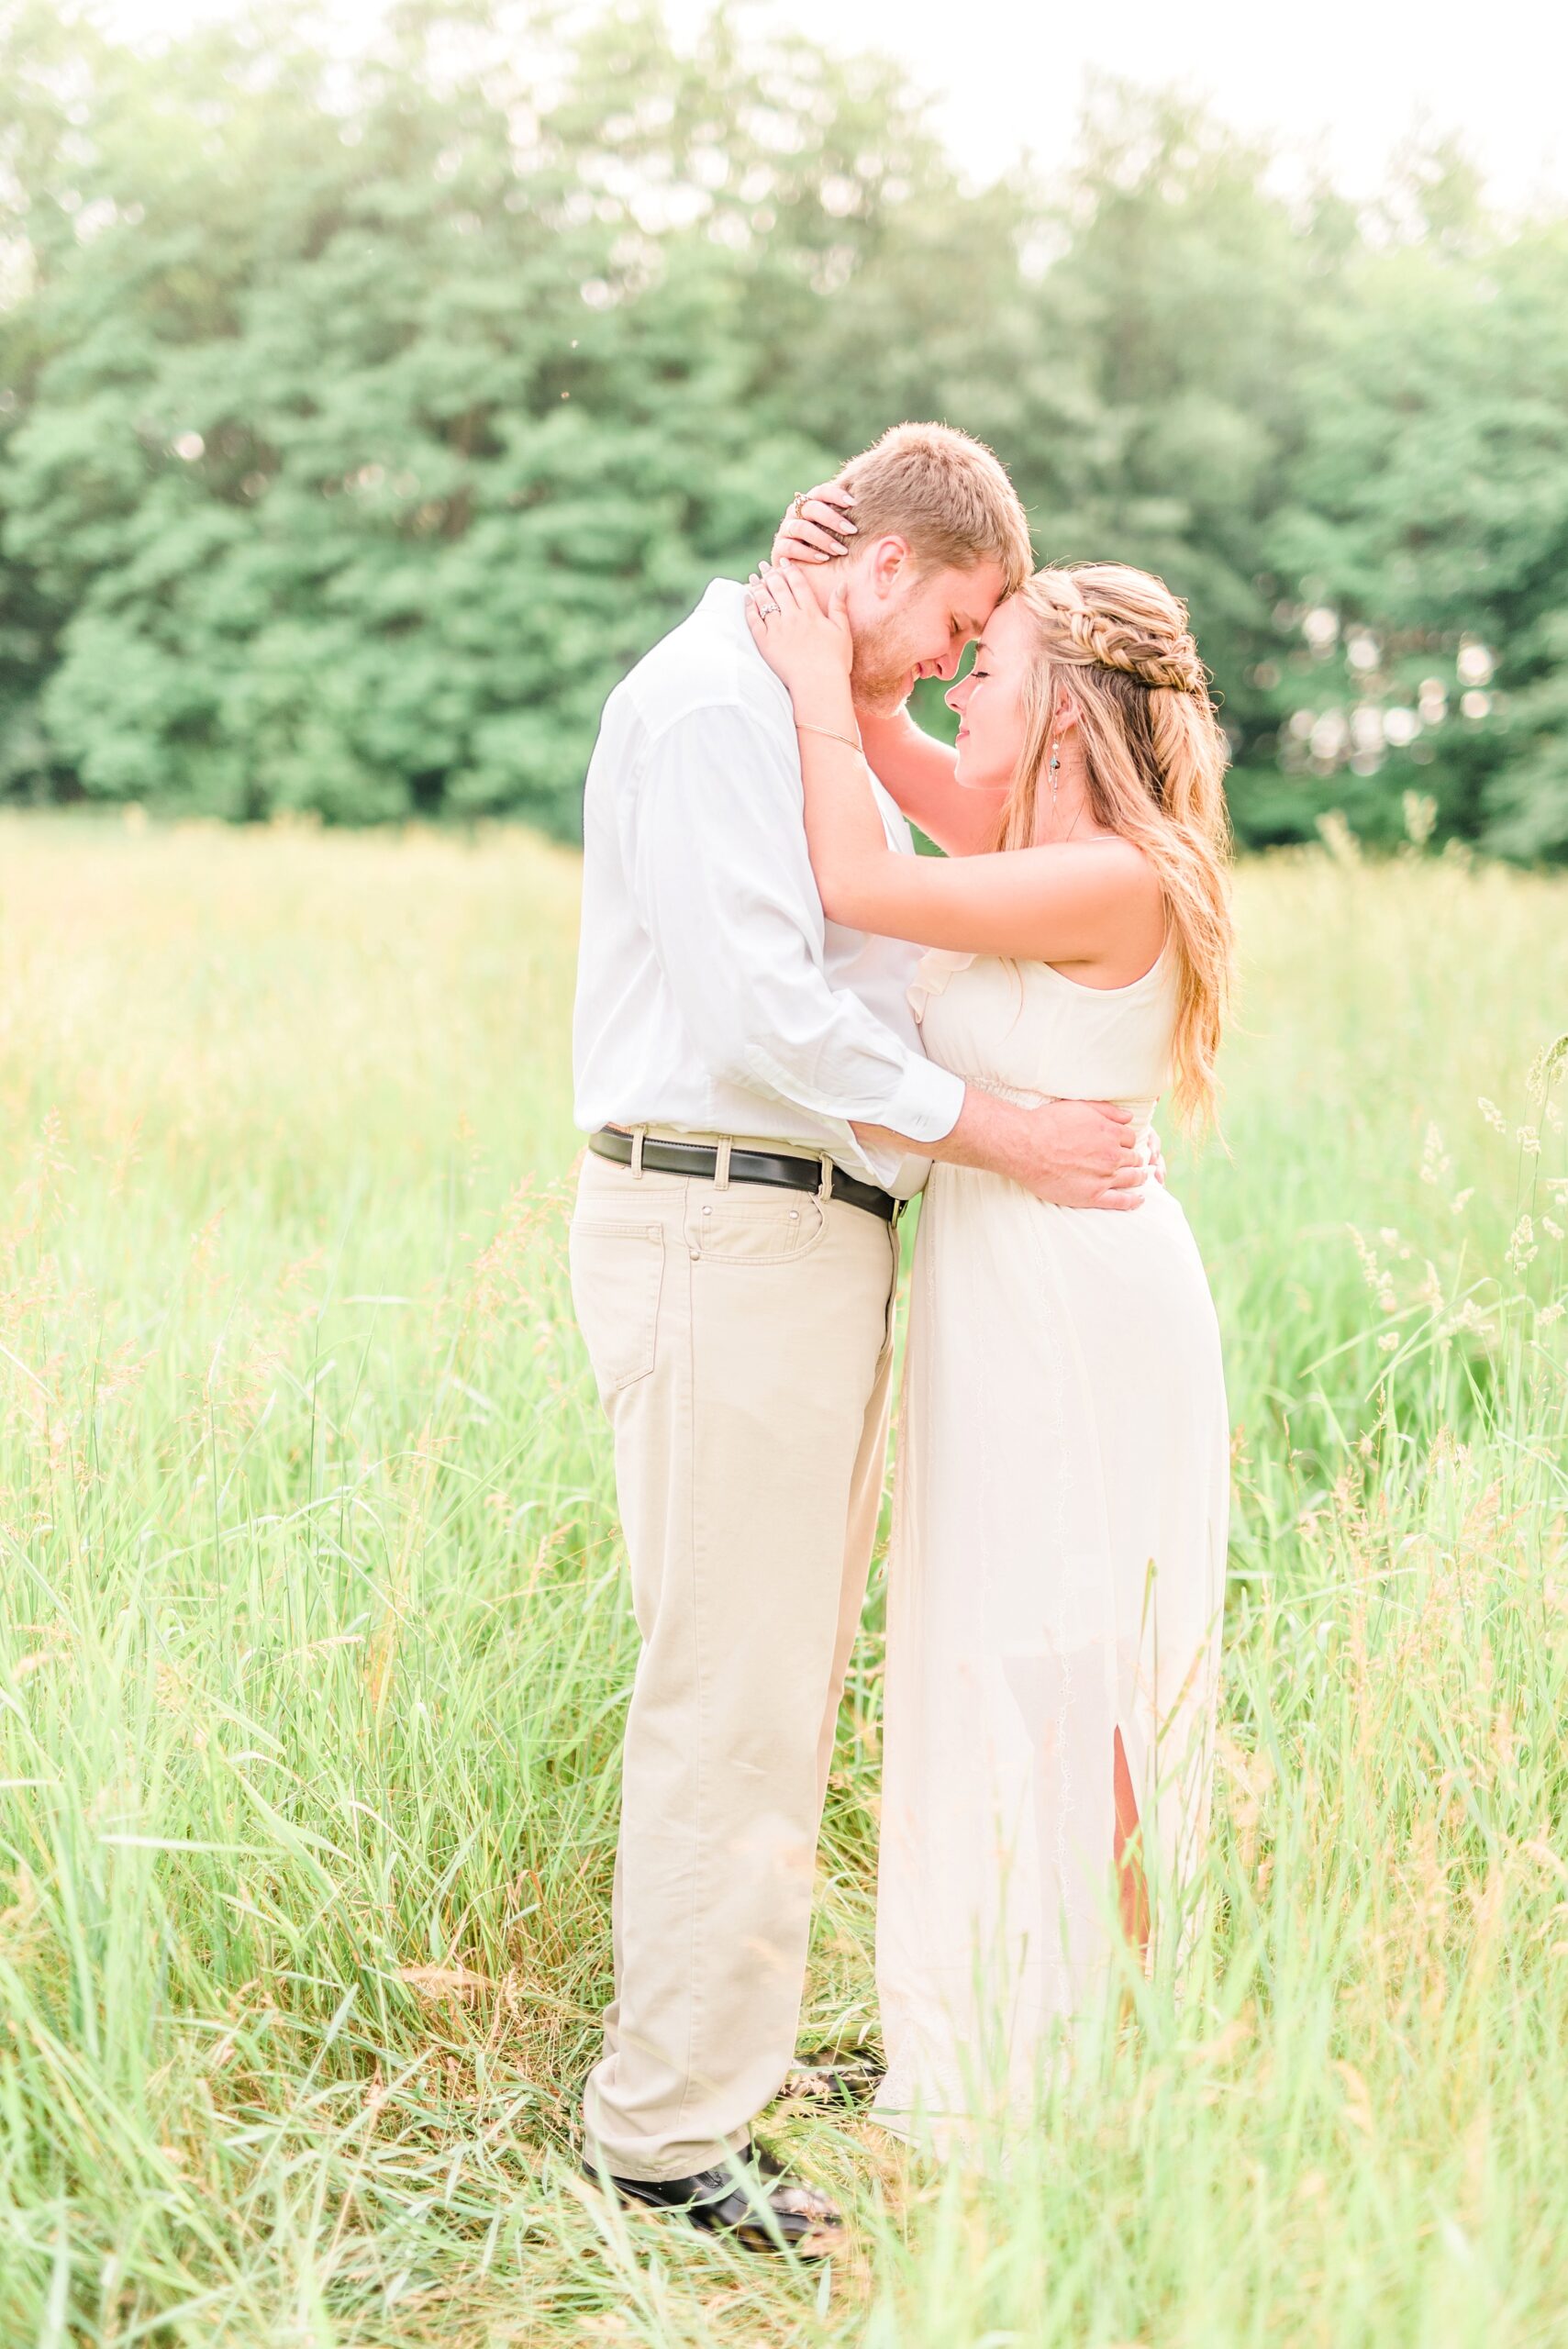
{"type": "Point", "coordinates": [618, 1274]}
{"type": "Point", "coordinates": [753, 1224]}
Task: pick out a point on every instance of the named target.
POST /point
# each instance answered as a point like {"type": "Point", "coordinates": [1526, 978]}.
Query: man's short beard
{"type": "Point", "coordinates": [878, 679]}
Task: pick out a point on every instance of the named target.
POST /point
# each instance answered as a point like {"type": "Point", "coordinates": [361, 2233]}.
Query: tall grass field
{"type": "Point", "coordinates": [315, 1643]}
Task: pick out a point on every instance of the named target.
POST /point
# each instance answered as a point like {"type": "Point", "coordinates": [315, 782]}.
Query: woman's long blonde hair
{"type": "Point", "coordinates": [1156, 755]}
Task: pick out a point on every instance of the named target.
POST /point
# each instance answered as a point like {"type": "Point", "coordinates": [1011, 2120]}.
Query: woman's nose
{"type": "Point", "coordinates": [956, 695]}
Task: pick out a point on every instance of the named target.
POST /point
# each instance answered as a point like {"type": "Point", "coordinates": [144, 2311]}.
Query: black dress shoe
{"type": "Point", "coordinates": [765, 2210]}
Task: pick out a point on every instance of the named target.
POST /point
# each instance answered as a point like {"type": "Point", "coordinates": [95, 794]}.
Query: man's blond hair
{"type": "Point", "coordinates": [944, 493]}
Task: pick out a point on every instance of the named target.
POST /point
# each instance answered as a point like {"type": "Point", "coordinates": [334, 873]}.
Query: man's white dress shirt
{"type": "Point", "coordinates": [713, 995]}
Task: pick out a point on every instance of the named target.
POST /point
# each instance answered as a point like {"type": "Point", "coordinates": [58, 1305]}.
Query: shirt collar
{"type": "Point", "coordinates": [725, 600]}
{"type": "Point", "coordinates": [724, 606]}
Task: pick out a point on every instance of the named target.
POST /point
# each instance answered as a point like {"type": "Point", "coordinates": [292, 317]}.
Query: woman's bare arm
{"type": "Point", "coordinates": [1095, 903]}
{"type": "Point", "coordinates": [921, 774]}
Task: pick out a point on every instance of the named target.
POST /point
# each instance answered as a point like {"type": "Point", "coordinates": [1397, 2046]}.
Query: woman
{"type": "Point", "coordinates": [1056, 1582]}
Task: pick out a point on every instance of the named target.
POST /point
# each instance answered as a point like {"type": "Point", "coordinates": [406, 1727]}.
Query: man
{"type": "Point", "coordinates": [758, 1107]}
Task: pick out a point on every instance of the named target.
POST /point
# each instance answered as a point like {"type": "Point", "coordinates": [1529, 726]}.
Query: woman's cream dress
{"type": "Point", "coordinates": [1057, 1562]}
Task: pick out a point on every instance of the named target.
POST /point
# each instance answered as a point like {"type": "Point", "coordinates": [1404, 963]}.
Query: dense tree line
{"type": "Point", "coordinates": [359, 425]}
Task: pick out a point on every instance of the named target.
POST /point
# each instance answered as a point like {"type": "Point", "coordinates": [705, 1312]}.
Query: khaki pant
{"type": "Point", "coordinates": [741, 1340]}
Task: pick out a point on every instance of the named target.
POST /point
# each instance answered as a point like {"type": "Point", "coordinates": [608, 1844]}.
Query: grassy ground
{"type": "Point", "coordinates": [314, 1638]}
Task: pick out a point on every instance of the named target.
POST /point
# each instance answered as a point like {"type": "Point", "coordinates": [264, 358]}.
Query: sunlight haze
{"type": "Point", "coordinates": [1340, 83]}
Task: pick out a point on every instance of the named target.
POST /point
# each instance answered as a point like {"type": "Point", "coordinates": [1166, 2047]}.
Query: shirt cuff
{"type": "Point", "coordinates": [926, 1104]}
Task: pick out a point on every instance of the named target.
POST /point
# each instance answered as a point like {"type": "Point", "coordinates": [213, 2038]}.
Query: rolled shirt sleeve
{"type": "Point", "coordinates": [715, 847]}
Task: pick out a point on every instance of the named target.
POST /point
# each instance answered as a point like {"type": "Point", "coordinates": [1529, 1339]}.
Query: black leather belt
{"type": "Point", "coordinates": [701, 1159]}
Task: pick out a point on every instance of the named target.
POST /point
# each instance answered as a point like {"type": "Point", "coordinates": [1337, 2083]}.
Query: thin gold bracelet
{"type": "Point", "coordinates": [848, 740]}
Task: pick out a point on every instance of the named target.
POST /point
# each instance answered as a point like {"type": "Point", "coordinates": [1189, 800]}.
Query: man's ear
{"type": "Point", "coordinates": [887, 563]}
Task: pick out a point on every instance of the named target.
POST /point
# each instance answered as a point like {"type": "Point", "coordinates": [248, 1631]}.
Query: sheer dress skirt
{"type": "Point", "coordinates": [1056, 1574]}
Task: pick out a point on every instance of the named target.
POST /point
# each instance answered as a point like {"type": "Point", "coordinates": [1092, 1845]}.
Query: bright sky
{"type": "Point", "coordinates": [1345, 79]}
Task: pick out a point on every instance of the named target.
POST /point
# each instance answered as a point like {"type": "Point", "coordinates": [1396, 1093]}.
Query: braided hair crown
{"type": "Point", "coordinates": [1147, 639]}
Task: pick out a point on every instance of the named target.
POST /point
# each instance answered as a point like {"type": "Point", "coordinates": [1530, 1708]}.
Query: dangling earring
{"type": "Point", "coordinates": [1055, 763]}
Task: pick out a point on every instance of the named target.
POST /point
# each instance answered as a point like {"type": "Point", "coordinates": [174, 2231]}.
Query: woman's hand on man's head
{"type": "Point", "coordinates": [816, 526]}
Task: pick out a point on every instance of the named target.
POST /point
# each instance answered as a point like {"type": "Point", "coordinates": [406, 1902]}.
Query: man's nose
{"type": "Point", "coordinates": [948, 667]}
